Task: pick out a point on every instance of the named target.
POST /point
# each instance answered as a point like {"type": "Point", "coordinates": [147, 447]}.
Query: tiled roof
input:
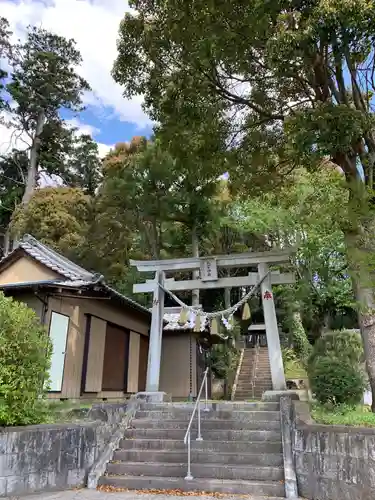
{"type": "Point", "coordinates": [75, 276]}
{"type": "Point", "coordinates": [172, 322]}
{"type": "Point", "coordinates": [45, 255]}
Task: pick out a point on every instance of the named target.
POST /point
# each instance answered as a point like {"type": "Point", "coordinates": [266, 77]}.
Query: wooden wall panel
{"type": "Point", "coordinates": [74, 354]}
{"type": "Point", "coordinates": [133, 368]}
{"type": "Point", "coordinates": [143, 361]}
{"type": "Point", "coordinates": [95, 359]}
{"type": "Point", "coordinates": [75, 345]}
{"type": "Point", "coordinates": [116, 359]}
{"type": "Point", "coordinates": [175, 365]}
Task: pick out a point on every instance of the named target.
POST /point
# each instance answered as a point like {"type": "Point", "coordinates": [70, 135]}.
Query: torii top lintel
{"type": "Point", "coordinates": [225, 261]}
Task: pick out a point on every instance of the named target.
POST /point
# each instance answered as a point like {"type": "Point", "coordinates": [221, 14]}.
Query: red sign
{"type": "Point", "coordinates": [267, 295]}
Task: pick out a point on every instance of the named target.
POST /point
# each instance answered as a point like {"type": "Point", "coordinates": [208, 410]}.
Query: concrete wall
{"type": "Point", "coordinates": [54, 457]}
{"type": "Point", "coordinates": [333, 462]}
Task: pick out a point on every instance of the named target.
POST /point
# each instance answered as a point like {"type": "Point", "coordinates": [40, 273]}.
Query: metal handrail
{"type": "Point", "coordinates": [197, 406]}
{"type": "Point", "coordinates": [255, 366]}
{"type": "Point", "coordinates": [238, 372]}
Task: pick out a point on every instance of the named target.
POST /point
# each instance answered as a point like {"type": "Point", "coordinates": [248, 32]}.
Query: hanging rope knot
{"type": "Point", "coordinates": [198, 317]}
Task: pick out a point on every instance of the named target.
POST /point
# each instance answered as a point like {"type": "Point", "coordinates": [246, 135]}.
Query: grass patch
{"type": "Point", "coordinates": [361, 416]}
{"type": "Point", "coordinates": [294, 369]}
{"type": "Point", "coordinates": [66, 411]}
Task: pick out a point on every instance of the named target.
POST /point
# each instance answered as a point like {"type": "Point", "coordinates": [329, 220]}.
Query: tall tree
{"type": "Point", "coordinates": [306, 214]}
{"type": "Point", "coordinates": [13, 171]}
{"type": "Point", "coordinates": [292, 79]}
{"type": "Point", "coordinates": [4, 54]}
{"type": "Point", "coordinates": [43, 80]}
{"type": "Point", "coordinates": [84, 165]}
{"type": "Point", "coordinates": [59, 217]}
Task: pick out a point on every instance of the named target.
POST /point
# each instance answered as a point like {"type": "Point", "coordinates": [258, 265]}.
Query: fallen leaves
{"type": "Point", "coordinates": [176, 493]}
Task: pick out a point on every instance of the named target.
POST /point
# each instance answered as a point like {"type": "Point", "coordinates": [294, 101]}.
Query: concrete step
{"type": "Point", "coordinates": [250, 392]}
{"type": "Point", "coordinates": [211, 415]}
{"type": "Point", "coordinates": [205, 457]}
{"type": "Point", "coordinates": [258, 382]}
{"type": "Point", "coordinates": [273, 423]}
{"type": "Point", "coordinates": [206, 471]}
{"type": "Point", "coordinates": [259, 369]}
{"type": "Point", "coordinates": [248, 383]}
{"type": "Point", "coordinates": [249, 389]}
{"type": "Point", "coordinates": [230, 416]}
{"type": "Point", "coordinates": [260, 447]}
{"type": "Point", "coordinates": [254, 488]}
{"type": "Point", "coordinates": [210, 435]}
{"type": "Point", "coordinates": [217, 406]}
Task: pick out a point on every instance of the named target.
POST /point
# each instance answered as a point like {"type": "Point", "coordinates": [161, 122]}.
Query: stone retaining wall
{"type": "Point", "coordinates": [332, 462]}
{"type": "Point", "coordinates": [48, 457]}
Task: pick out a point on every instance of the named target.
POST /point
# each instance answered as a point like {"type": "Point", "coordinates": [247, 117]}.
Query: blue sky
{"type": "Point", "coordinates": [107, 129]}
{"type": "Point", "coordinates": [93, 24]}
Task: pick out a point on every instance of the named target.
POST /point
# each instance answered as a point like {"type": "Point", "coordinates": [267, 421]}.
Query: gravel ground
{"type": "Point", "coordinates": [99, 495]}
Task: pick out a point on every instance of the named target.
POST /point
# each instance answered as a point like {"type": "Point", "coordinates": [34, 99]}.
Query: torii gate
{"type": "Point", "coordinates": [209, 279]}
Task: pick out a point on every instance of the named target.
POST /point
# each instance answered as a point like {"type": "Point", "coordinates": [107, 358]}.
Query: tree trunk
{"type": "Point", "coordinates": [227, 305]}
{"type": "Point", "coordinates": [6, 244]}
{"type": "Point", "coordinates": [195, 249]}
{"type": "Point", "coordinates": [33, 164]}
{"type": "Point", "coordinates": [363, 285]}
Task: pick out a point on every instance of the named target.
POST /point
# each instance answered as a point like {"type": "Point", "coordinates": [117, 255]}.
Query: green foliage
{"type": "Point", "coordinates": [224, 356]}
{"type": "Point", "coordinates": [4, 47]}
{"type": "Point", "coordinates": [336, 381]}
{"type": "Point", "coordinates": [293, 368]}
{"type": "Point", "coordinates": [83, 169]}
{"type": "Point", "coordinates": [360, 416]}
{"type": "Point", "coordinates": [44, 76]}
{"type": "Point", "coordinates": [345, 345]}
{"type": "Point", "coordinates": [13, 169]}
{"type": "Point", "coordinates": [305, 213]}
{"type": "Point", "coordinates": [59, 217]}
{"type": "Point", "coordinates": [335, 370]}
{"type": "Point", "coordinates": [43, 80]}
{"type": "Point", "coordinates": [271, 80]}
{"type": "Point", "coordinates": [300, 342]}
{"type": "Point", "coordinates": [25, 353]}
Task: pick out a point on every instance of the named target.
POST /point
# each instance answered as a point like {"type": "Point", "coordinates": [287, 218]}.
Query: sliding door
{"type": "Point", "coordinates": [58, 332]}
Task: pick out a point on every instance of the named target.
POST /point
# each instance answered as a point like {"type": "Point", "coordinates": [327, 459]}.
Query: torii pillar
{"type": "Point", "coordinates": [156, 334]}
{"type": "Point", "coordinates": [272, 331]}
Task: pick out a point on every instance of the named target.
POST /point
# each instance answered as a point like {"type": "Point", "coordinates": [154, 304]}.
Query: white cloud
{"type": "Point", "coordinates": [10, 137]}
{"type": "Point", "coordinates": [104, 149]}
{"type": "Point", "coordinates": [83, 128]}
{"type": "Point", "coordinates": [94, 26]}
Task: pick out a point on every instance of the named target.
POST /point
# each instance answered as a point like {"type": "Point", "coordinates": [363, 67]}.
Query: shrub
{"type": "Point", "coordinates": [25, 353]}
{"type": "Point", "coordinates": [336, 381]}
{"type": "Point", "coordinates": [289, 356]}
{"type": "Point", "coordinates": [342, 344]}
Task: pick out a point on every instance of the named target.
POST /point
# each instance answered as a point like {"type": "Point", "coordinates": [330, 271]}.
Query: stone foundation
{"type": "Point", "coordinates": [55, 457]}
{"type": "Point", "coordinates": [332, 462]}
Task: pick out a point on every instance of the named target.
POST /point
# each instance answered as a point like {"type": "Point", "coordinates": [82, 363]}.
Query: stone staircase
{"type": "Point", "coordinates": [261, 375]}
{"type": "Point", "coordinates": [241, 452]}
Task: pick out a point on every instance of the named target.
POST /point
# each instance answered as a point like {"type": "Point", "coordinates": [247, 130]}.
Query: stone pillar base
{"type": "Point", "coordinates": [276, 395]}
{"type": "Point", "coordinates": [154, 397]}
